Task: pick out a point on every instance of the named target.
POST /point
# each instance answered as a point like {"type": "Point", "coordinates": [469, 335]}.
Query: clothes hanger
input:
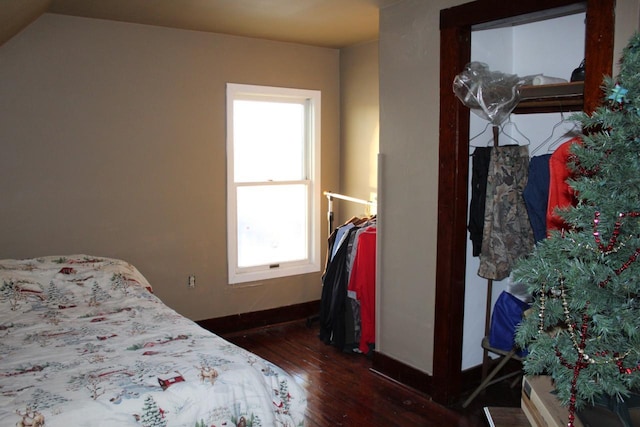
{"type": "Point", "coordinates": [560, 138]}
{"type": "Point", "coordinates": [571, 133]}
{"type": "Point", "coordinates": [479, 134]}
{"type": "Point", "coordinates": [515, 126]}
{"type": "Point", "coordinates": [508, 135]}
{"type": "Point", "coordinates": [502, 131]}
{"type": "Point", "coordinates": [553, 130]}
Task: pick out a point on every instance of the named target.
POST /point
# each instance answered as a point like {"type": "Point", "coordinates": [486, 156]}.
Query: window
{"type": "Point", "coordinates": [273, 182]}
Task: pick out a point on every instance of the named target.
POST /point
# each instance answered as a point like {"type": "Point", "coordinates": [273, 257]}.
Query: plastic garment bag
{"type": "Point", "coordinates": [492, 95]}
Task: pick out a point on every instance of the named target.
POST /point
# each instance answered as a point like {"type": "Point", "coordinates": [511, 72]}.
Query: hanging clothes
{"type": "Point", "coordinates": [362, 285]}
{"type": "Point", "coordinates": [341, 234]}
{"type": "Point", "coordinates": [352, 312]}
{"type": "Point", "coordinates": [334, 295]}
{"type": "Point", "coordinates": [479, 171]}
{"type": "Point", "coordinates": [354, 324]}
{"type": "Point", "coordinates": [507, 233]}
{"type": "Point", "coordinates": [561, 195]}
{"type": "Point", "coordinates": [536, 195]}
{"type": "Point", "coordinates": [340, 308]}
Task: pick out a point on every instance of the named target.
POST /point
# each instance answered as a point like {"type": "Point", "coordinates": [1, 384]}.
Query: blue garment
{"type": "Point", "coordinates": [536, 195]}
{"type": "Point", "coordinates": [340, 237]}
{"type": "Point", "coordinates": [506, 316]}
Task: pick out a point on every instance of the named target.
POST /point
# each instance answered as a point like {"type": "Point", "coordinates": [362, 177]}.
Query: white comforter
{"type": "Point", "coordinates": [84, 342]}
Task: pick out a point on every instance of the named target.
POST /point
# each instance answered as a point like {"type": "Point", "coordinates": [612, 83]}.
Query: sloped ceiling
{"type": "Point", "coordinates": [327, 23]}
{"type": "Point", "coordinates": [17, 14]}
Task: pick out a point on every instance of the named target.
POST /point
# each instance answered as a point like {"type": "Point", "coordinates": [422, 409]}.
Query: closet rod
{"type": "Point", "coordinates": [331, 196]}
{"type": "Point", "coordinates": [349, 198]}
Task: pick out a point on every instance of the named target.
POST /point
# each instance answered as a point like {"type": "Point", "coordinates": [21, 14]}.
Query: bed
{"type": "Point", "coordinates": [85, 342]}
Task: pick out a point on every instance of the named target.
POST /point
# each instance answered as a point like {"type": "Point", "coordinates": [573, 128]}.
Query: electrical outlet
{"type": "Point", "coordinates": [192, 281]}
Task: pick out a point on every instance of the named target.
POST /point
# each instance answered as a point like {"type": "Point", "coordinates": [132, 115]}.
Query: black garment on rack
{"type": "Point", "coordinates": [479, 171]}
{"type": "Point", "coordinates": [335, 281]}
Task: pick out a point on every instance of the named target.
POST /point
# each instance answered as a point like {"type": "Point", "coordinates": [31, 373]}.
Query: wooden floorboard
{"type": "Point", "coordinates": [342, 390]}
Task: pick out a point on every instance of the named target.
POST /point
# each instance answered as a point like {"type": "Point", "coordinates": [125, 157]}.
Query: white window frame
{"type": "Point", "coordinates": [312, 101]}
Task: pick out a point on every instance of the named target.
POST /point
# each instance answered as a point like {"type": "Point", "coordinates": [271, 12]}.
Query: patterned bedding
{"type": "Point", "coordinates": [84, 342]}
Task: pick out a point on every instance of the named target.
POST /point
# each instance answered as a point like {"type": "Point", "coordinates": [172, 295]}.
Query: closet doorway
{"type": "Point", "coordinates": [456, 25]}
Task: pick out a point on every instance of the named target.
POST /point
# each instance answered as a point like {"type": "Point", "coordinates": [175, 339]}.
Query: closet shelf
{"type": "Point", "coordinates": [553, 98]}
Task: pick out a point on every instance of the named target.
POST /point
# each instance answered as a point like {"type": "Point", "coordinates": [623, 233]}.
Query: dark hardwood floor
{"type": "Point", "coordinates": [343, 391]}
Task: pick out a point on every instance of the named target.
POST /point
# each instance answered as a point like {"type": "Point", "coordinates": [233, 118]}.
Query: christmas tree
{"type": "Point", "coordinates": [584, 328]}
{"type": "Point", "coordinates": [151, 414]}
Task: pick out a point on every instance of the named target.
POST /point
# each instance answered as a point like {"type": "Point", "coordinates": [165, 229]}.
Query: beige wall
{"type": "Point", "coordinates": [360, 128]}
{"type": "Point", "coordinates": [113, 143]}
{"type": "Point", "coordinates": [409, 115]}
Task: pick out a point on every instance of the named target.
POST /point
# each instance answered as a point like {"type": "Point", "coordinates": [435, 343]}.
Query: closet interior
{"type": "Point", "coordinates": [521, 146]}
{"type": "Point", "coordinates": [529, 38]}
{"type": "Point", "coordinates": [347, 303]}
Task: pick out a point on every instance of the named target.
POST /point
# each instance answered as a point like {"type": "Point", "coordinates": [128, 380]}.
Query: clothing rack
{"type": "Point", "coordinates": [505, 356]}
{"type": "Point", "coordinates": [350, 274]}
{"type": "Point", "coordinates": [488, 306]}
{"type": "Point", "coordinates": [331, 196]}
